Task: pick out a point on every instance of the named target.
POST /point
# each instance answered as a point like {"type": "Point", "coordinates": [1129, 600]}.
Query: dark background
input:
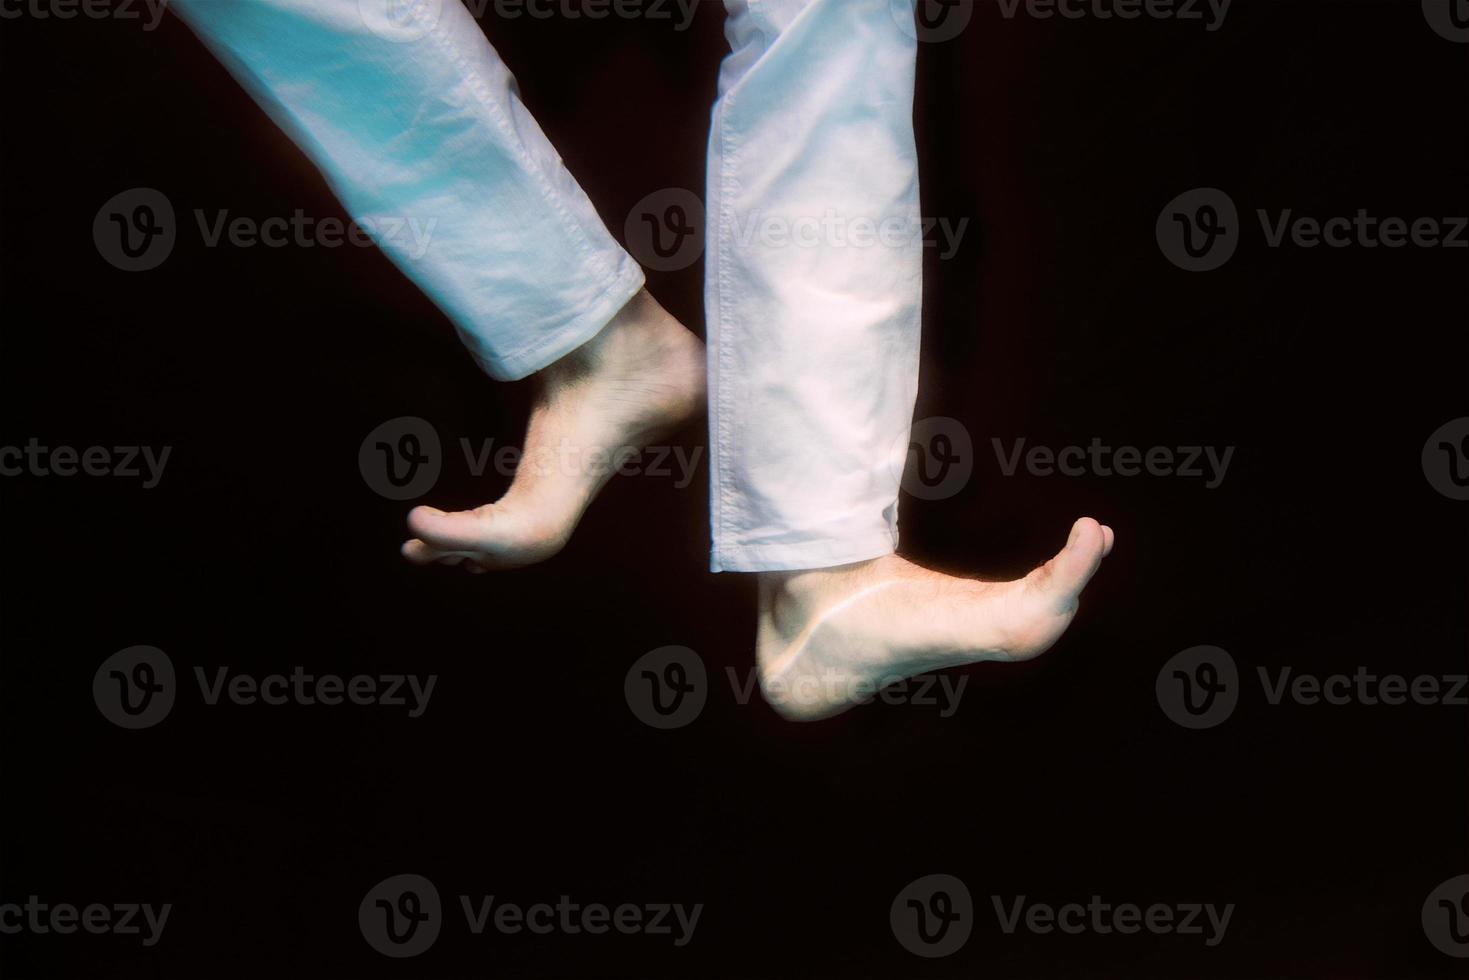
{"type": "Point", "coordinates": [528, 777]}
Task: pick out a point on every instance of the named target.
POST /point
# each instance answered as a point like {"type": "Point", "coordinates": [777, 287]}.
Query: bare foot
{"type": "Point", "coordinates": [830, 637]}
{"type": "Point", "coordinates": [637, 380]}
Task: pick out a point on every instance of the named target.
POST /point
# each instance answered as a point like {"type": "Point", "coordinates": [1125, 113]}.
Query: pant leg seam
{"type": "Point", "coordinates": [725, 292]}
{"type": "Point", "coordinates": [497, 114]}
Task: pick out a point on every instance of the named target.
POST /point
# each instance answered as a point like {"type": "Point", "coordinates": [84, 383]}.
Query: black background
{"type": "Point", "coordinates": [528, 777]}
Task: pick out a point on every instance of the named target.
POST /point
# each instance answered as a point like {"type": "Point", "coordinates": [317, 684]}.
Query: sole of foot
{"type": "Point", "coordinates": [831, 637]}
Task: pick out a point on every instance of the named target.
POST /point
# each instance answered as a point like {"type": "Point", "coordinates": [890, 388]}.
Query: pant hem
{"type": "Point", "coordinates": [567, 338]}
{"type": "Point", "coordinates": [802, 556]}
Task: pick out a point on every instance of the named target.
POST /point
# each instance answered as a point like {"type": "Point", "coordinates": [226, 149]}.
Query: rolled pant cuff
{"type": "Point", "coordinates": [552, 345]}
{"type": "Point", "coordinates": [800, 556]}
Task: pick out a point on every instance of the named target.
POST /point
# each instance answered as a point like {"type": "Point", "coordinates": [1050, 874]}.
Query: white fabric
{"type": "Point", "coordinates": [421, 121]}
{"type": "Point", "coordinates": [814, 262]}
{"type": "Point", "coordinates": [813, 283]}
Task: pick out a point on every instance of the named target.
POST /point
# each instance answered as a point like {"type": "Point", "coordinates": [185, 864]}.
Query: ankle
{"type": "Point", "coordinates": [789, 598]}
{"type": "Point", "coordinates": [641, 331]}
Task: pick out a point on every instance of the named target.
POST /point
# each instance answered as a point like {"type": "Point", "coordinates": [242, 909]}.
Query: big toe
{"type": "Point", "coordinates": [1062, 578]}
{"type": "Point", "coordinates": [462, 531]}
{"type": "Point", "coordinates": [496, 536]}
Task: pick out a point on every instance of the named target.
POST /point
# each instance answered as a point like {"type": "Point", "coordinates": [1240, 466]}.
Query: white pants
{"type": "Point", "coordinates": [814, 245]}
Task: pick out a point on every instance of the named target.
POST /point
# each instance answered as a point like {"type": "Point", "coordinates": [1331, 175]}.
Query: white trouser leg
{"type": "Point", "coordinates": [814, 282]}
{"type": "Point", "coordinates": [412, 117]}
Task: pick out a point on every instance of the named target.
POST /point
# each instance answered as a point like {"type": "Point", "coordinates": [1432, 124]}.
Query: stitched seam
{"type": "Point", "coordinates": [725, 314]}
{"type": "Point", "coordinates": [621, 275]}
{"type": "Point", "coordinates": [497, 114]}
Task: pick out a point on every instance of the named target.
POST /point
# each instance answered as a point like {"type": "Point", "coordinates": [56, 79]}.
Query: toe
{"type": "Point", "coordinates": [463, 531]}
{"type": "Point", "coordinates": [1062, 578]}
{"type": "Point", "coordinates": [496, 536]}
{"type": "Point", "coordinates": [419, 553]}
